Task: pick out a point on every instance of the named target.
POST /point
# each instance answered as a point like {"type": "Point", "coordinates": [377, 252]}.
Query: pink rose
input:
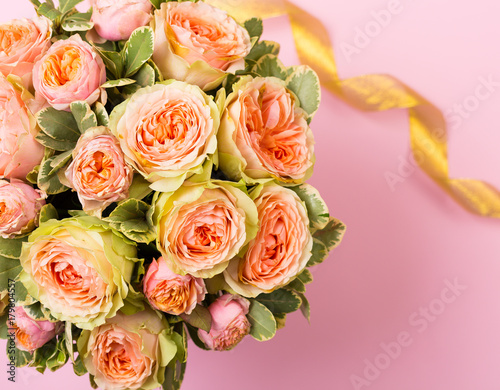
{"type": "Point", "coordinates": [98, 172]}
{"type": "Point", "coordinates": [19, 151]}
{"type": "Point", "coordinates": [32, 334]}
{"type": "Point", "coordinates": [22, 43]}
{"type": "Point", "coordinates": [115, 20]}
{"type": "Point", "coordinates": [167, 132]}
{"type": "Point", "coordinates": [172, 293]}
{"type": "Point", "coordinates": [264, 134]}
{"type": "Point", "coordinates": [71, 70]}
{"type": "Point", "coordinates": [282, 247]}
{"type": "Point", "coordinates": [198, 43]}
{"type": "Point", "coordinates": [19, 208]}
{"type": "Point", "coordinates": [229, 323]}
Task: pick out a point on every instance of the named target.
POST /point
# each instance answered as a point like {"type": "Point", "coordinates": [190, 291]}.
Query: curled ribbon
{"type": "Point", "coordinates": [428, 135]}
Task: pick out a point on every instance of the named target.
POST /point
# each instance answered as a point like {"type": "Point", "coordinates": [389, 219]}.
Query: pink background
{"type": "Point", "coordinates": [401, 245]}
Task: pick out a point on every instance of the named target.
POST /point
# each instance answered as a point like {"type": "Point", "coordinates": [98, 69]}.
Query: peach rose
{"type": "Point", "coordinates": [229, 323]}
{"type": "Point", "coordinates": [71, 70]}
{"type": "Point", "coordinates": [20, 205]}
{"type": "Point", "coordinates": [167, 132]}
{"type": "Point", "coordinates": [201, 227]}
{"type": "Point", "coordinates": [129, 351]}
{"type": "Point", "coordinates": [115, 20]}
{"type": "Point", "coordinates": [264, 134]}
{"type": "Point", "coordinates": [98, 172]}
{"type": "Point", "coordinates": [22, 43]}
{"type": "Point", "coordinates": [282, 247]}
{"type": "Point", "coordinates": [79, 269]}
{"type": "Point", "coordinates": [172, 293]}
{"type": "Point", "coordinates": [19, 151]}
{"type": "Point", "coordinates": [32, 334]}
{"type": "Point", "coordinates": [198, 43]}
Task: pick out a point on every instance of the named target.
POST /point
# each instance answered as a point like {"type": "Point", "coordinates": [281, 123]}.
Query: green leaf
{"type": "Point", "coordinates": [280, 320]}
{"type": "Point", "coordinates": [331, 235]}
{"type": "Point", "coordinates": [305, 308]}
{"type": "Point", "coordinates": [47, 213]}
{"type": "Point", "coordinates": [48, 10]}
{"type": "Point", "coordinates": [20, 358]}
{"type": "Point", "coordinates": [146, 76]}
{"type": "Point", "coordinates": [59, 161]}
{"type": "Point", "coordinates": [84, 116]}
{"type": "Point", "coordinates": [262, 48]}
{"type": "Point", "coordinates": [72, 26]}
{"type": "Point", "coordinates": [317, 210]}
{"type": "Point", "coordinates": [11, 248]}
{"type": "Point", "coordinates": [79, 367]}
{"type": "Point", "coordinates": [66, 5]}
{"type": "Point", "coordinates": [75, 16]}
{"type": "Point", "coordinates": [36, 3]}
{"type": "Point", "coordinates": [133, 218]}
{"type": "Point", "coordinates": [254, 27]}
{"type": "Point", "coordinates": [117, 83]}
{"type": "Point", "coordinates": [174, 375]}
{"type": "Point", "coordinates": [113, 61]}
{"type": "Point", "coordinates": [262, 321]}
{"type": "Point", "coordinates": [101, 114]}
{"type": "Point", "coordinates": [280, 301]}
{"type": "Point", "coordinates": [319, 253]}
{"type": "Point", "coordinates": [270, 66]}
{"type": "Point", "coordinates": [35, 311]}
{"type": "Point", "coordinates": [47, 182]}
{"type": "Point", "coordinates": [51, 143]}
{"type": "Point", "coordinates": [193, 334]}
{"type": "Point", "coordinates": [305, 276]}
{"type": "Point", "coordinates": [59, 125]}
{"type": "Point", "coordinates": [9, 270]}
{"type": "Point", "coordinates": [199, 318]}
{"type": "Point", "coordinates": [33, 175]}
{"type": "Point", "coordinates": [296, 285]}
{"type": "Point", "coordinates": [157, 3]}
{"type": "Point", "coordinates": [68, 338]}
{"type": "Point", "coordinates": [138, 50]}
{"type": "Point", "coordinates": [304, 83]}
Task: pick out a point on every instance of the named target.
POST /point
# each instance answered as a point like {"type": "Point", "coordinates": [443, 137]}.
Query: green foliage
{"type": "Point", "coordinates": [304, 83]}
{"type": "Point", "coordinates": [270, 66]}
{"type": "Point", "coordinates": [254, 27]}
{"type": "Point", "coordinates": [84, 116]}
{"type": "Point", "coordinates": [133, 218]}
{"type": "Point", "coordinates": [199, 318]}
{"type": "Point", "coordinates": [262, 321]}
{"type": "Point", "coordinates": [59, 129]}
{"type": "Point", "coordinates": [325, 240]}
{"type": "Point", "coordinates": [138, 50]}
{"type": "Point", "coordinates": [280, 301]}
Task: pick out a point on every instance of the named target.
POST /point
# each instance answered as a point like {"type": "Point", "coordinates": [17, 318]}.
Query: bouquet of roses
{"type": "Point", "coordinates": [153, 158]}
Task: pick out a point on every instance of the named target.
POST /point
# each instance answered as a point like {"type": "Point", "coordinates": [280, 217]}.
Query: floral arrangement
{"type": "Point", "coordinates": [153, 159]}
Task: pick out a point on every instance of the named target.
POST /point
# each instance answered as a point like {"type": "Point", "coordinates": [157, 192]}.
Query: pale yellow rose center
{"type": "Point", "coordinates": [10, 35]}
{"type": "Point", "coordinates": [61, 67]}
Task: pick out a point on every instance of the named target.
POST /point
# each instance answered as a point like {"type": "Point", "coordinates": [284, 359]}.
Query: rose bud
{"type": "Point", "coordinates": [198, 43]}
{"type": "Point", "coordinates": [282, 247]}
{"type": "Point", "coordinates": [32, 334]}
{"type": "Point", "coordinates": [19, 151]}
{"type": "Point", "coordinates": [229, 323]}
{"type": "Point", "coordinates": [128, 352]}
{"type": "Point", "coordinates": [20, 205]}
{"type": "Point", "coordinates": [98, 172]}
{"type": "Point", "coordinates": [264, 134]}
{"type": "Point", "coordinates": [70, 70]}
{"type": "Point", "coordinates": [172, 293]}
{"type": "Point", "coordinates": [115, 20]}
{"type": "Point", "coordinates": [22, 43]}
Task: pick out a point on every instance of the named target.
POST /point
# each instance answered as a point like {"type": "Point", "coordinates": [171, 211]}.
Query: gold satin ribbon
{"type": "Point", "coordinates": [375, 93]}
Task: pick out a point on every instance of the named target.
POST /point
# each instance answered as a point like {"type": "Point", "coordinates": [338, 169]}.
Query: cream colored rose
{"type": "Point", "coordinates": [98, 172]}
{"type": "Point", "coordinates": [264, 134]}
{"type": "Point", "coordinates": [19, 151]}
{"type": "Point", "coordinates": [167, 132]}
{"type": "Point", "coordinates": [172, 293]}
{"type": "Point", "coordinates": [198, 43]}
{"type": "Point", "coordinates": [281, 249]}
{"type": "Point", "coordinates": [128, 351]}
{"type": "Point", "coordinates": [78, 269]}
{"type": "Point", "coordinates": [22, 43]}
{"type": "Point", "coordinates": [201, 227]}
{"type": "Point", "coordinates": [20, 205]}
{"type": "Point", "coordinates": [71, 70]}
